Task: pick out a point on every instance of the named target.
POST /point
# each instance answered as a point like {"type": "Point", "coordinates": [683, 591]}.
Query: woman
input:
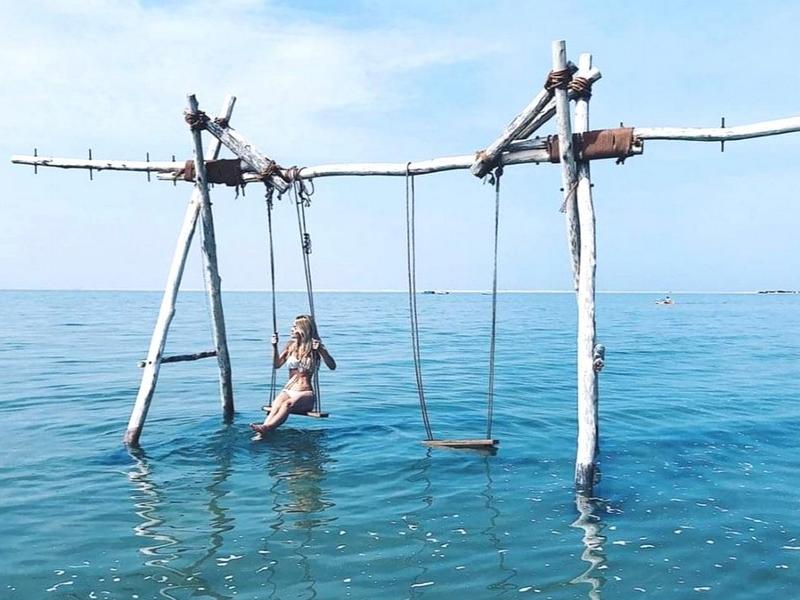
{"type": "Point", "coordinates": [301, 355]}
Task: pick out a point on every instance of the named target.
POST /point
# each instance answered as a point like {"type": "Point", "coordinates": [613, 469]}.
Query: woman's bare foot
{"type": "Point", "coordinates": [258, 428]}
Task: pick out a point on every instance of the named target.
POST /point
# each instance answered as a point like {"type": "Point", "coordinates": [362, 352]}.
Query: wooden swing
{"type": "Point", "coordinates": [302, 199]}
{"type": "Point", "coordinates": [487, 443]}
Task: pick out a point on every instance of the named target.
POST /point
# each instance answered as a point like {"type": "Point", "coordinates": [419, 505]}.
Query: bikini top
{"type": "Point", "coordinates": [301, 365]}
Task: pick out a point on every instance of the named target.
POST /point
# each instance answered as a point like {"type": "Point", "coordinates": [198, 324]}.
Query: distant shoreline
{"type": "Point", "coordinates": [439, 292]}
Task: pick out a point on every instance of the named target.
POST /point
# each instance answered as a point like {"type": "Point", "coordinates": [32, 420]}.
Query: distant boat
{"type": "Point", "coordinates": [665, 300]}
{"type": "Point", "coordinates": [435, 292]}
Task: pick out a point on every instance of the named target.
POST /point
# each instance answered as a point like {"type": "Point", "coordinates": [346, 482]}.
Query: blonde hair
{"type": "Point", "coordinates": [307, 330]}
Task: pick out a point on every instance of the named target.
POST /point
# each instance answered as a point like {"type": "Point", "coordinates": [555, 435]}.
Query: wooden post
{"type": "Point", "coordinates": [211, 271]}
{"type": "Point", "coordinates": [152, 364]}
{"type": "Point", "coordinates": [587, 338]}
{"type": "Point", "coordinates": [568, 176]}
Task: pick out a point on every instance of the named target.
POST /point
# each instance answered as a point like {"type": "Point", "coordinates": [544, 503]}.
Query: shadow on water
{"type": "Point", "coordinates": [589, 510]}
{"type": "Point", "coordinates": [296, 467]}
{"type": "Point", "coordinates": [166, 550]}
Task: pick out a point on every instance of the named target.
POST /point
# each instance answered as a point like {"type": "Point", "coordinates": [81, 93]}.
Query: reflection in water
{"type": "Point", "coordinates": [165, 552]}
{"type": "Point", "coordinates": [589, 520]}
{"type": "Point", "coordinates": [296, 467]}
{"type": "Point", "coordinates": [504, 584]}
{"type": "Point", "coordinates": [412, 521]}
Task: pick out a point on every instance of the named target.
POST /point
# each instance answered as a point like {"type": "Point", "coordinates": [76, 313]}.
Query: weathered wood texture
{"type": "Point", "coordinates": [486, 158]}
{"type": "Point", "coordinates": [719, 134]}
{"type": "Point", "coordinates": [475, 444]}
{"type": "Point", "coordinates": [587, 337]}
{"type": "Point", "coordinates": [147, 385]}
{"type": "Point", "coordinates": [182, 357]}
{"type": "Point", "coordinates": [547, 113]}
{"type": "Point", "coordinates": [166, 311]}
{"type": "Point", "coordinates": [241, 147]}
{"type": "Point", "coordinates": [568, 173]}
{"type": "Point", "coordinates": [211, 272]}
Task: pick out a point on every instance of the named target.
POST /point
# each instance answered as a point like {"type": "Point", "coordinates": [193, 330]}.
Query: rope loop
{"type": "Point", "coordinates": [197, 120]}
{"type": "Point", "coordinates": [558, 80]}
{"type": "Point", "coordinates": [580, 87]}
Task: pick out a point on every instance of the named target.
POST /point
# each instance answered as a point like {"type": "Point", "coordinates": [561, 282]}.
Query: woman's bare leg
{"type": "Point", "coordinates": [302, 402]}
{"type": "Point", "coordinates": [276, 407]}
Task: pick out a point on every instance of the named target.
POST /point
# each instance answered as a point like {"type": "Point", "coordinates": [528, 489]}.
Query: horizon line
{"type": "Point", "coordinates": [394, 291]}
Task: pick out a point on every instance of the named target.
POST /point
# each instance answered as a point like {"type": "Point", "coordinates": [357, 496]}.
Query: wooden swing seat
{"type": "Point", "coordinates": [311, 413]}
{"type": "Point", "coordinates": [473, 444]}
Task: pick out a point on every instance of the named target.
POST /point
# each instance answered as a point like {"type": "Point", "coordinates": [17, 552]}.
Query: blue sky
{"type": "Point", "coordinates": [321, 82]}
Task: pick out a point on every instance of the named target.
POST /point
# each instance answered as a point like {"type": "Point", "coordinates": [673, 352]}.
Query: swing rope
{"type": "Point", "coordinates": [268, 198]}
{"type": "Point", "coordinates": [302, 199]}
{"type": "Point", "coordinates": [498, 173]}
{"type": "Point", "coordinates": [412, 297]}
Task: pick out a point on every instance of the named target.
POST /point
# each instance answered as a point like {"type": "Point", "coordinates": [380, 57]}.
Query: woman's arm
{"type": "Point", "coordinates": [324, 354]}
{"type": "Point", "coordinates": [278, 360]}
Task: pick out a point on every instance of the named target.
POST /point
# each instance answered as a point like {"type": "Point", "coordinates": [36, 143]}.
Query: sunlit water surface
{"type": "Point", "coordinates": [699, 495]}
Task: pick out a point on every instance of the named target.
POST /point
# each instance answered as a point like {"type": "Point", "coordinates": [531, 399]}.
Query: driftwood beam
{"type": "Point", "coordinates": [246, 151]}
{"type": "Point", "coordinates": [166, 311]}
{"type": "Point", "coordinates": [517, 152]}
{"type": "Point", "coordinates": [211, 272]}
{"type": "Point", "coordinates": [486, 158]}
{"type": "Point", "coordinates": [586, 455]}
{"type": "Point", "coordinates": [96, 164]}
{"type": "Point", "coordinates": [566, 156]}
{"type": "Point", "coordinates": [719, 134]}
{"type": "Point", "coordinates": [182, 358]}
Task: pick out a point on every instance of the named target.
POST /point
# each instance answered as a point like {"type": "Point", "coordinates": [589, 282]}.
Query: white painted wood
{"type": "Point", "coordinates": [211, 272]}
{"type": "Point", "coordinates": [587, 337]}
{"type": "Point", "coordinates": [166, 312]}
{"type": "Point", "coordinates": [216, 146]}
{"type": "Point", "coordinates": [246, 151]}
{"type": "Point", "coordinates": [147, 385]}
{"type": "Point", "coordinates": [568, 174]}
{"type": "Point", "coordinates": [547, 113]}
{"type": "Point", "coordinates": [486, 159]}
{"type": "Point", "coordinates": [719, 134]}
{"type": "Point", "coordinates": [96, 164]}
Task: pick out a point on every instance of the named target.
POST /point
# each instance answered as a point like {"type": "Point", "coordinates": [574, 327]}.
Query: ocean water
{"type": "Point", "coordinates": [699, 424]}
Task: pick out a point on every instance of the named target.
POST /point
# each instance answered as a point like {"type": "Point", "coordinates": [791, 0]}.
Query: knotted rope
{"type": "Point", "coordinates": [197, 120]}
{"type": "Point", "coordinates": [580, 87]}
{"type": "Point", "coordinates": [558, 79]}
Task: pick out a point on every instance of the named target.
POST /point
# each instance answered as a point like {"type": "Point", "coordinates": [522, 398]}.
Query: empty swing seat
{"type": "Point", "coordinates": [471, 444]}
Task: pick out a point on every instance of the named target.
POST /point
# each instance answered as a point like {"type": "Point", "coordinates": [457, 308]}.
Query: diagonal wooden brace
{"type": "Point", "coordinates": [238, 144]}
{"type": "Point", "coordinates": [487, 158]}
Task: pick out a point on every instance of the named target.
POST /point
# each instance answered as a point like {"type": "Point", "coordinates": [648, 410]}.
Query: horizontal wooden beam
{"type": "Point", "coordinates": [719, 134]}
{"type": "Point", "coordinates": [98, 165]}
{"type": "Point", "coordinates": [182, 358]}
{"type": "Point", "coordinates": [518, 152]}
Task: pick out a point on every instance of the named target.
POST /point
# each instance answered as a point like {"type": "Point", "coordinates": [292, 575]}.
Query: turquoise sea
{"type": "Point", "coordinates": [700, 424]}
